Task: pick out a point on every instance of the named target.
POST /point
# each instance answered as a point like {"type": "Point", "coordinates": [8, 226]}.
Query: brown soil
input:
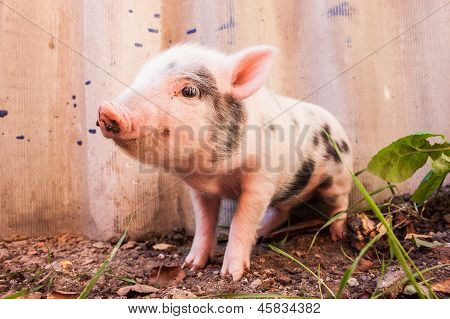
{"type": "Point", "coordinates": [59, 267]}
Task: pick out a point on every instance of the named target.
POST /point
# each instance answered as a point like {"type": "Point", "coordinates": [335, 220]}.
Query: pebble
{"type": "Point", "coordinates": [181, 294]}
{"type": "Point", "coordinates": [199, 275]}
{"type": "Point", "coordinates": [4, 254]}
{"type": "Point", "coordinates": [284, 280]}
{"type": "Point", "coordinates": [256, 283]}
{"type": "Point", "coordinates": [353, 282]}
{"type": "Point", "coordinates": [129, 245]}
{"type": "Point", "coordinates": [100, 245]}
{"type": "Point", "coordinates": [175, 256]}
{"type": "Point", "coordinates": [161, 256]}
{"type": "Point", "coordinates": [215, 272]}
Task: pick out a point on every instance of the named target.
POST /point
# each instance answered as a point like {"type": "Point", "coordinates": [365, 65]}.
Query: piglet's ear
{"type": "Point", "coordinates": [250, 68]}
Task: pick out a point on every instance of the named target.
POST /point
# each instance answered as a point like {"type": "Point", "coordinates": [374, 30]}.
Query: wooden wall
{"type": "Point", "coordinates": [382, 67]}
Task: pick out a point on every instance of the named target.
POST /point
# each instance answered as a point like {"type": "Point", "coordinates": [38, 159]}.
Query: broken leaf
{"type": "Point", "coordinates": [166, 276]}
{"type": "Point", "coordinates": [141, 289]}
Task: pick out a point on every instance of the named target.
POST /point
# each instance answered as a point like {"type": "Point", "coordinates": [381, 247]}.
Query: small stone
{"type": "Point", "coordinates": [175, 256]}
{"type": "Point", "coordinates": [4, 254]}
{"type": "Point", "coordinates": [129, 245]}
{"type": "Point", "coordinates": [100, 245]}
{"type": "Point", "coordinates": [216, 272]}
{"type": "Point", "coordinates": [161, 256]}
{"type": "Point", "coordinates": [245, 280]}
{"type": "Point", "coordinates": [353, 282]}
{"type": "Point", "coordinates": [256, 283]}
{"type": "Point", "coordinates": [284, 280]}
{"type": "Point", "coordinates": [199, 275]}
{"type": "Point", "coordinates": [181, 294]}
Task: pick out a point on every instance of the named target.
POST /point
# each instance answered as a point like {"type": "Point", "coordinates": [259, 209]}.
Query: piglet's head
{"type": "Point", "coordinates": [186, 101]}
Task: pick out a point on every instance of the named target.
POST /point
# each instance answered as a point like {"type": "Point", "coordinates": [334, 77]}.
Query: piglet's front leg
{"type": "Point", "coordinates": [251, 206]}
{"type": "Point", "coordinates": [206, 210]}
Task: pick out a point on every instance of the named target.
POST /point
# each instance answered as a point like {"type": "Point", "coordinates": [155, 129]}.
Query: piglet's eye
{"type": "Point", "coordinates": [190, 91]}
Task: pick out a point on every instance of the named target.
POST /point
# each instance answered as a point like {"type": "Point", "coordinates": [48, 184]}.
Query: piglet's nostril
{"type": "Point", "coordinates": [112, 126]}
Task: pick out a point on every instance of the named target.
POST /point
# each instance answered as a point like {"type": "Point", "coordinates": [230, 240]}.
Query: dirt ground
{"type": "Point", "coordinates": [59, 267]}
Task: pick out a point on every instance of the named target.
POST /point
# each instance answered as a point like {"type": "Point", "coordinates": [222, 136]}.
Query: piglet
{"type": "Point", "coordinates": [205, 116]}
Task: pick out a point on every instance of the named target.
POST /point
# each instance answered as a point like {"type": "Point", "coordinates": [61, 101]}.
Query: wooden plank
{"type": "Point", "coordinates": [41, 189]}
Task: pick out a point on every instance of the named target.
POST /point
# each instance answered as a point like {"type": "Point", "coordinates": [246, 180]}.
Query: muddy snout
{"type": "Point", "coordinates": [113, 121]}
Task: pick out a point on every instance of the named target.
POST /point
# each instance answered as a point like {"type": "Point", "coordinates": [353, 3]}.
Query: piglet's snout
{"type": "Point", "coordinates": [114, 121]}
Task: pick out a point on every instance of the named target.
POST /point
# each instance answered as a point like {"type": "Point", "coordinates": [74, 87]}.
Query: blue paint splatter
{"type": "Point", "coordinates": [191, 31]}
{"type": "Point", "coordinates": [92, 131]}
{"type": "Point", "coordinates": [80, 142]}
{"type": "Point", "coordinates": [74, 97]}
{"type": "Point", "coordinates": [20, 137]}
{"type": "Point", "coordinates": [3, 113]}
{"type": "Point", "coordinates": [87, 82]}
{"type": "Point", "coordinates": [157, 15]}
{"type": "Point", "coordinates": [138, 45]}
{"type": "Point", "coordinates": [349, 41]}
{"type": "Point", "coordinates": [152, 30]}
{"type": "Point", "coordinates": [342, 9]}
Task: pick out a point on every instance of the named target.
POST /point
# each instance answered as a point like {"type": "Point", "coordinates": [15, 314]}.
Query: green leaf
{"type": "Point", "coordinates": [423, 243]}
{"type": "Point", "coordinates": [441, 166]}
{"type": "Point", "coordinates": [400, 160]}
{"type": "Point", "coordinates": [430, 183]}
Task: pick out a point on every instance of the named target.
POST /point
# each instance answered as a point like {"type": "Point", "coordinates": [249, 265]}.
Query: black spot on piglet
{"type": "Point", "coordinates": [326, 183]}
{"type": "Point", "coordinates": [298, 183]}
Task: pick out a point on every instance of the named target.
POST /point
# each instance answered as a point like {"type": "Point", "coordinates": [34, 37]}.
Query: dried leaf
{"type": "Point", "coordinates": [142, 289]}
{"type": "Point", "coordinates": [163, 246]}
{"type": "Point", "coordinates": [410, 236]}
{"type": "Point", "coordinates": [443, 286]}
{"type": "Point", "coordinates": [62, 295]}
{"type": "Point", "coordinates": [164, 276]}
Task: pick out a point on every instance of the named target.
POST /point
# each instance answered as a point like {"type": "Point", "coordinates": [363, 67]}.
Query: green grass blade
{"type": "Point", "coordinates": [22, 293]}
{"type": "Point", "coordinates": [285, 254]}
{"type": "Point", "coordinates": [348, 273]}
{"type": "Point", "coordinates": [91, 283]}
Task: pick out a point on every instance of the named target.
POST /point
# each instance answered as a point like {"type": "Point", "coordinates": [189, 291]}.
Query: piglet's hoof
{"type": "Point", "coordinates": [338, 230]}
